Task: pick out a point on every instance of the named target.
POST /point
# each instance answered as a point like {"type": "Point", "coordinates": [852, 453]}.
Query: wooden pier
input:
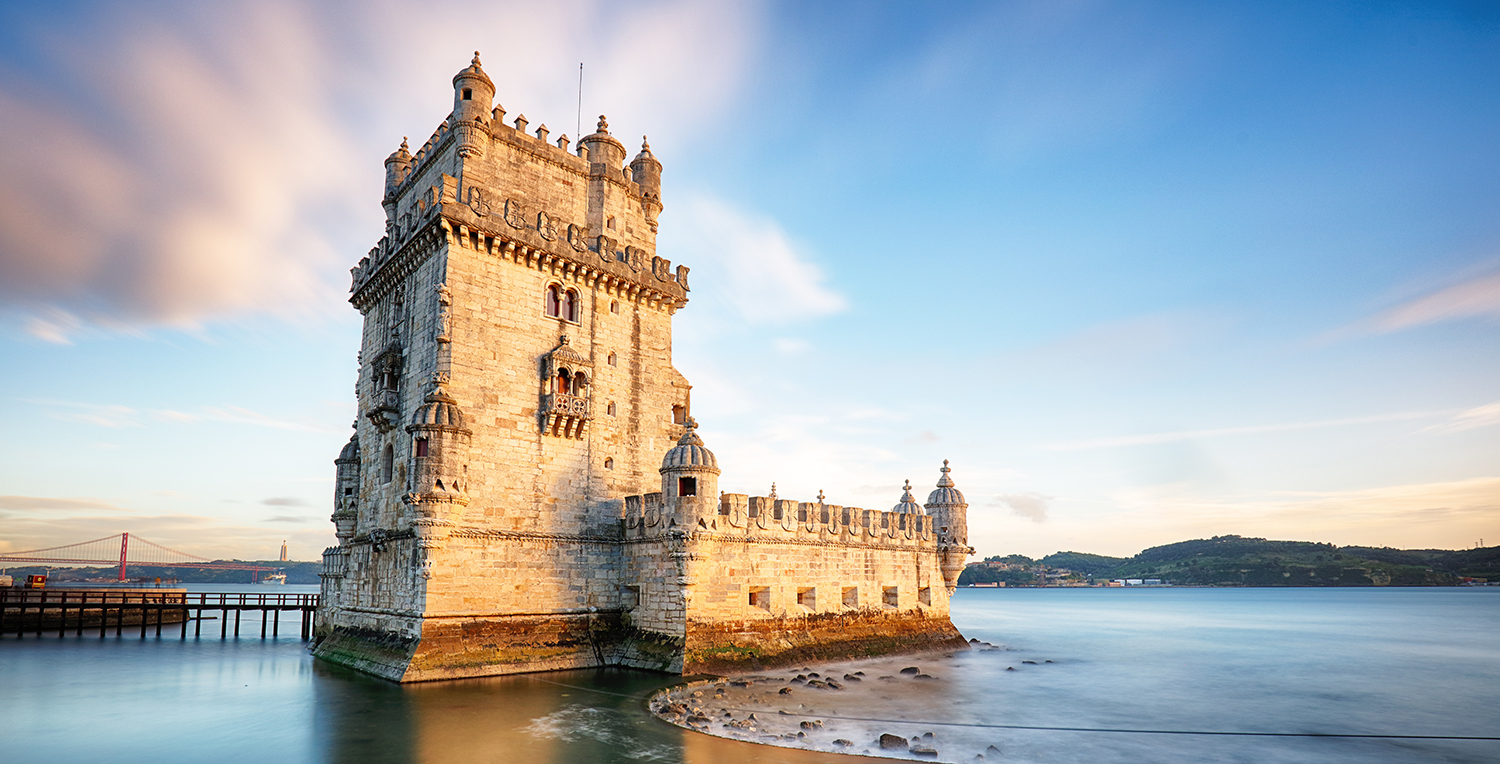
{"type": "Point", "coordinates": [44, 611]}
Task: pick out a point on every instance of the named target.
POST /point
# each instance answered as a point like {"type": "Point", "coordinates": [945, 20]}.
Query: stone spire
{"type": "Point", "coordinates": [908, 504]}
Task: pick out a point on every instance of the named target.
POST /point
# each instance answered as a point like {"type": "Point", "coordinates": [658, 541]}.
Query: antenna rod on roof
{"type": "Point", "coordinates": [578, 126]}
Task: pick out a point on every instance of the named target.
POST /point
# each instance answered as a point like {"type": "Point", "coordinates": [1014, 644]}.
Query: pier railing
{"type": "Point", "coordinates": [39, 611]}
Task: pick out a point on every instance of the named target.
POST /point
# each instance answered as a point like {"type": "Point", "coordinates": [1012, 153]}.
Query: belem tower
{"type": "Point", "coordinates": [526, 489]}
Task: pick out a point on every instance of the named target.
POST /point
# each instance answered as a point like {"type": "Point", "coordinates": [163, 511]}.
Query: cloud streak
{"type": "Point", "coordinates": [1186, 435]}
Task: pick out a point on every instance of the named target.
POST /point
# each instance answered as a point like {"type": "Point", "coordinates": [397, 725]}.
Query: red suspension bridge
{"type": "Point", "coordinates": [122, 550]}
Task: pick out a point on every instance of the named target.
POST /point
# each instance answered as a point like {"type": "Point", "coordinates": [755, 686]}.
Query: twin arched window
{"type": "Point", "coordinates": [568, 383]}
{"type": "Point", "coordinates": [562, 303]}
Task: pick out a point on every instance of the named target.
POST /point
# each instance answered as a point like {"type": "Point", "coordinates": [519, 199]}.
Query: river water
{"type": "Point", "coordinates": [1327, 661]}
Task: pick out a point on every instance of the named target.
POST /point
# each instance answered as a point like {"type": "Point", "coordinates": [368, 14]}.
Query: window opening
{"type": "Point", "coordinates": [614, 306]}
{"type": "Point", "coordinates": [468, 94]}
{"type": "Point", "coordinates": [611, 359]}
{"type": "Point", "coordinates": [808, 598]}
{"type": "Point", "coordinates": [387, 463]}
{"type": "Point", "coordinates": [891, 597]}
{"type": "Point", "coordinates": [760, 596]}
{"type": "Point", "coordinates": [611, 409]}
{"type": "Point", "coordinates": [924, 595]}
{"type": "Point", "coordinates": [569, 307]}
{"type": "Point", "coordinates": [611, 222]}
{"type": "Point", "coordinates": [679, 414]}
{"type": "Point", "coordinates": [851, 596]}
{"type": "Point", "coordinates": [554, 301]}
{"type": "Point", "coordinates": [580, 384]}
{"type": "Point", "coordinates": [609, 462]}
{"type": "Point", "coordinates": [421, 447]}
{"type": "Point", "coordinates": [687, 486]}
{"type": "Point", "coordinates": [564, 382]}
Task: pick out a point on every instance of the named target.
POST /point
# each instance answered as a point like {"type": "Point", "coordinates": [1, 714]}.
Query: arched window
{"type": "Point", "coordinates": [569, 305]}
{"type": "Point", "coordinates": [611, 359]}
{"type": "Point", "coordinates": [564, 382]}
{"type": "Point", "coordinates": [387, 463]}
{"type": "Point", "coordinates": [554, 301]}
{"type": "Point", "coordinates": [609, 463]}
{"type": "Point", "coordinates": [614, 306]}
{"type": "Point", "coordinates": [611, 408]}
{"type": "Point", "coordinates": [580, 385]}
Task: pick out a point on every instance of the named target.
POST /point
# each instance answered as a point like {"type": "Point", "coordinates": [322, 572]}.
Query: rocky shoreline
{"type": "Point", "coordinates": [828, 708]}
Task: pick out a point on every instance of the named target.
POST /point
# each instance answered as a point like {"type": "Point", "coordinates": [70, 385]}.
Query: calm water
{"type": "Point", "coordinates": [1387, 661]}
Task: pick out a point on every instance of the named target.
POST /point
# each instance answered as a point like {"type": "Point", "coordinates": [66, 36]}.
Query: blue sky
{"type": "Point", "coordinates": [1142, 271]}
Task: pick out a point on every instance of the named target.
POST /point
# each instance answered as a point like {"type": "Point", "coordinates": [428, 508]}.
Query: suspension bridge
{"type": "Point", "coordinates": [120, 549]}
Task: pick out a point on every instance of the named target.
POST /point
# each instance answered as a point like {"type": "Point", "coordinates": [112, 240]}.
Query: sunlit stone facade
{"type": "Point", "coordinates": [526, 490]}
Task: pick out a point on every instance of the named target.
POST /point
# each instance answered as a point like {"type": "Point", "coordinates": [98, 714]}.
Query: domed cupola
{"type": "Point", "coordinates": [473, 72]}
{"type": "Point", "coordinates": [908, 504]}
{"type": "Point", "coordinates": [945, 494]}
{"type": "Point", "coordinates": [690, 474]}
{"type": "Point", "coordinates": [690, 453]}
{"type": "Point", "coordinates": [439, 411]}
{"type": "Point", "coordinates": [950, 513]}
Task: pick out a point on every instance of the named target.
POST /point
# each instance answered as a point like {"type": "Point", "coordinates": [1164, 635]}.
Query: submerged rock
{"type": "Point", "coordinates": [842, 743]}
{"type": "Point", "coordinates": [891, 742]}
{"type": "Point", "coordinates": [910, 670]}
{"type": "Point", "coordinates": [922, 750]}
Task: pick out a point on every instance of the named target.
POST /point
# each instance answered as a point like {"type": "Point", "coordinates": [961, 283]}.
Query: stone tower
{"type": "Point", "coordinates": [497, 508]}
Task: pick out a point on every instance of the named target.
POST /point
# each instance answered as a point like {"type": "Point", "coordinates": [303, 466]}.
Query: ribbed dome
{"type": "Point", "coordinates": [400, 155]}
{"type": "Point", "coordinates": [645, 155]}
{"type": "Point", "coordinates": [945, 493]}
{"type": "Point", "coordinates": [690, 452]}
{"type": "Point", "coordinates": [439, 409]}
{"type": "Point", "coordinates": [350, 452]}
{"type": "Point", "coordinates": [565, 355]}
{"type": "Point", "coordinates": [474, 70]}
{"type": "Point", "coordinates": [908, 504]}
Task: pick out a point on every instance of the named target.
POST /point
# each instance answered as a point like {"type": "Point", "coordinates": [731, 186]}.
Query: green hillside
{"type": "Point", "coordinates": [296, 573]}
{"type": "Point", "coordinates": [1242, 561]}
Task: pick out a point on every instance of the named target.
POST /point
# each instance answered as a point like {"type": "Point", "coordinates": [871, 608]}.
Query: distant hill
{"type": "Point", "coordinates": [1243, 561]}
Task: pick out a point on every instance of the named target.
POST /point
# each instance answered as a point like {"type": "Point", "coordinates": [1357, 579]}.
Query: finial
{"type": "Point", "coordinates": [773, 483]}
{"type": "Point", "coordinates": [907, 487]}
{"type": "Point", "coordinates": [691, 423]}
{"type": "Point", "coordinates": [820, 496]}
{"type": "Point", "coordinates": [645, 144]}
{"type": "Point", "coordinates": [945, 466]}
{"type": "Point", "coordinates": [403, 144]}
{"type": "Point", "coordinates": [603, 125]}
{"type": "Point", "coordinates": [475, 62]}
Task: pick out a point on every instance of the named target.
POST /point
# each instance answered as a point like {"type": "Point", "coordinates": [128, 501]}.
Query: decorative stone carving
{"type": "Point", "coordinates": [578, 238]}
{"type": "Point", "coordinates": [682, 273]}
{"type": "Point", "coordinates": [515, 214]}
{"type": "Point", "coordinates": [478, 203]}
{"type": "Point", "coordinates": [545, 226]}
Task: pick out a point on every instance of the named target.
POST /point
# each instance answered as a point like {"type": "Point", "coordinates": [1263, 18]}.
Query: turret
{"type": "Point", "coordinates": [473, 93]}
{"type": "Point", "coordinates": [603, 149]}
{"type": "Point", "coordinates": [950, 513]}
{"type": "Point", "coordinates": [690, 477]}
{"type": "Point", "coordinates": [346, 491]}
{"type": "Point", "coordinates": [908, 504]}
{"type": "Point", "coordinates": [397, 165]}
{"type": "Point", "coordinates": [645, 170]}
{"type": "Point", "coordinates": [439, 476]}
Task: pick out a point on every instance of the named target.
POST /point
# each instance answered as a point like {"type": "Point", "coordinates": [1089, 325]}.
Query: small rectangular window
{"type": "Point", "coordinates": [808, 598]}
{"type": "Point", "coordinates": [760, 597]}
{"type": "Point", "coordinates": [468, 94]}
{"type": "Point", "coordinates": [349, 490]}
{"type": "Point", "coordinates": [679, 414]}
{"type": "Point", "coordinates": [891, 597]}
{"type": "Point", "coordinates": [851, 596]}
{"type": "Point", "coordinates": [924, 595]}
{"type": "Point", "coordinates": [687, 486]}
{"type": "Point", "coordinates": [421, 447]}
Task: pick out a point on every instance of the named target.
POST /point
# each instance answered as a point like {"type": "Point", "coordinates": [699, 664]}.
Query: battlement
{"type": "Point", "coordinates": [769, 518]}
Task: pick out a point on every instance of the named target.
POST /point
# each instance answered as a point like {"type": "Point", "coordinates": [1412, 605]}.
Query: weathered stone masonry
{"type": "Point", "coordinates": [505, 504]}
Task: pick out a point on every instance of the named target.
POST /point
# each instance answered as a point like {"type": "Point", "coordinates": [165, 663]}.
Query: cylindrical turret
{"type": "Point", "coordinates": [439, 439]}
{"type": "Point", "coordinates": [603, 148]}
{"type": "Point", "coordinates": [645, 169]}
{"type": "Point", "coordinates": [346, 491]}
{"type": "Point", "coordinates": [950, 513]}
{"type": "Point", "coordinates": [397, 165]}
{"type": "Point", "coordinates": [473, 93]}
{"type": "Point", "coordinates": [690, 476]}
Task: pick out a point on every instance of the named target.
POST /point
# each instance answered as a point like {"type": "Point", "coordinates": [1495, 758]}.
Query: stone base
{"type": "Point", "coordinates": [469, 647]}
{"type": "Point", "coordinates": [753, 645]}
{"type": "Point", "coordinates": [455, 648]}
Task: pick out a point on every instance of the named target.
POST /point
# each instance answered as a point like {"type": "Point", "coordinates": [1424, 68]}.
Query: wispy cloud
{"type": "Point", "coordinates": [52, 503]}
{"type": "Point", "coordinates": [1030, 505]}
{"type": "Point", "coordinates": [1185, 435]}
{"type": "Point", "coordinates": [116, 416]}
{"type": "Point", "coordinates": [1474, 298]}
{"type": "Point", "coordinates": [283, 501]}
{"type": "Point", "coordinates": [752, 265]}
{"type": "Point", "coordinates": [1487, 415]}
